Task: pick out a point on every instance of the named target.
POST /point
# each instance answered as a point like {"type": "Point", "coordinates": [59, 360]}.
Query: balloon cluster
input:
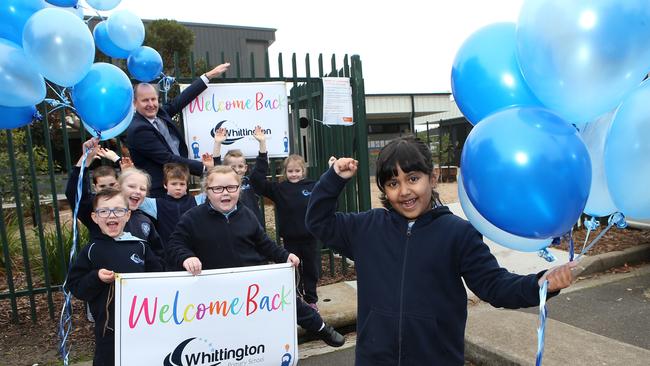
{"type": "Point", "coordinates": [48, 40]}
{"type": "Point", "coordinates": [561, 116]}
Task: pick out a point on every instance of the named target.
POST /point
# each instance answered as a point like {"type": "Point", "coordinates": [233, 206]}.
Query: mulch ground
{"type": "Point", "coordinates": [29, 343]}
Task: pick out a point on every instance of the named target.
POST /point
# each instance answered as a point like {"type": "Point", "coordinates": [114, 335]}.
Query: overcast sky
{"type": "Point", "coordinates": [406, 46]}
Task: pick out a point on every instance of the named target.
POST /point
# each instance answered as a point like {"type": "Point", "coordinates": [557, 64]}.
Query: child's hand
{"type": "Point", "coordinates": [207, 160]}
{"type": "Point", "coordinates": [258, 133]}
{"type": "Point", "coordinates": [559, 277]}
{"type": "Point", "coordinates": [331, 161]}
{"type": "Point", "coordinates": [107, 154]}
{"type": "Point", "coordinates": [192, 265]}
{"type": "Point", "coordinates": [106, 276]}
{"type": "Point", "coordinates": [91, 145]}
{"type": "Point", "coordinates": [293, 259]}
{"type": "Point", "coordinates": [346, 168]}
{"type": "Point", "coordinates": [126, 163]}
{"type": "Point", "coordinates": [220, 135]}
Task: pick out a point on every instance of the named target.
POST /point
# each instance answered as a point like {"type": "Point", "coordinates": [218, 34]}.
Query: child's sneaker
{"type": "Point", "coordinates": [330, 336]}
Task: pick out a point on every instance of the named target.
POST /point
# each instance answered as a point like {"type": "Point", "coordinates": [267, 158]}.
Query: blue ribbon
{"type": "Point", "coordinates": [542, 323]}
{"type": "Point", "coordinates": [546, 254]}
{"type": "Point", "coordinates": [165, 83]}
{"type": "Point", "coordinates": [65, 322]}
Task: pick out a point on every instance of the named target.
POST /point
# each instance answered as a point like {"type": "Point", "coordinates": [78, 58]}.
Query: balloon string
{"type": "Point", "coordinates": [571, 246]}
{"type": "Point", "coordinates": [65, 321]}
{"type": "Point", "coordinates": [542, 323]}
{"type": "Point", "coordinates": [165, 84]}
{"type": "Point", "coordinates": [617, 219]}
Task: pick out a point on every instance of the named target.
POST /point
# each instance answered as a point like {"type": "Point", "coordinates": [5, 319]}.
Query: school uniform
{"type": "Point", "coordinates": [167, 210]}
{"type": "Point", "coordinates": [125, 254]}
{"type": "Point", "coordinates": [412, 305]}
{"type": "Point", "coordinates": [247, 195]}
{"type": "Point", "coordinates": [230, 240]}
{"type": "Point", "coordinates": [291, 204]}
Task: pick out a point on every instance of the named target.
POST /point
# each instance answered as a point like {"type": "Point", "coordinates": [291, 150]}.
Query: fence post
{"type": "Point", "coordinates": [361, 129]}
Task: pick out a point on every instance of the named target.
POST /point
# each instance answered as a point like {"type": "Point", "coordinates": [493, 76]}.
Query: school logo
{"type": "Point", "coordinates": [136, 259]}
{"type": "Point", "coordinates": [234, 133]}
{"type": "Point", "coordinates": [230, 138]}
{"type": "Point", "coordinates": [145, 228]}
{"type": "Point", "coordinates": [201, 352]}
{"type": "Point", "coordinates": [306, 193]}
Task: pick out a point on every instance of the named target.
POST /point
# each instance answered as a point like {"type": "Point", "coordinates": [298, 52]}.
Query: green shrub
{"type": "Point", "coordinates": [55, 259]}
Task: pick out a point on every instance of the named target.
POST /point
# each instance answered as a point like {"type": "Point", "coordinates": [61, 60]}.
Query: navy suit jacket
{"type": "Point", "coordinates": [148, 148]}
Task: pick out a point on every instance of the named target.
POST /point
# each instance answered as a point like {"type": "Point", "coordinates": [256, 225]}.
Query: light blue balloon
{"type": "Point", "coordinates": [115, 131]}
{"type": "Point", "coordinates": [103, 4]}
{"type": "Point", "coordinates": [492, 232]}
{"type": "Point", "coordinates": [63, 3]}
{"type": "Point", "coordinates": [627, 154]}
{"type": "Point", "coordinates": [60, 45]}
{"type": "Point", "coordinates": [594, 135]}
{"type": "Point", "coordinates": [104, 43]}
{"type": "Point", "coordinates": [22, 85]}
{"type": "Point", "coordinates": [527, 171]}
{"type": "Point", "coordinates": [144, 64]}
{"type": "Point", "coordinates": [125, 30]}
{"type": "Point", "coordinates": [485, 76]}
{"type": "Point", "coordinates": [14, 15]}
{"type": "Point", "coordinates": [581, 57]}
{"type": "Point", "coordinates": [15, 117]}
{"type": "Point", "coordinates": [104, 97]}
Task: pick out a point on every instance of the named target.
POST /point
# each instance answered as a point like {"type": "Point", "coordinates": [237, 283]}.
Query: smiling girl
{"type": "Point", "coordinates": [411, 258]}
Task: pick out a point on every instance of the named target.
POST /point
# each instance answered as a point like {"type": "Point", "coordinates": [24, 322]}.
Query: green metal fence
{"type": "Point", "coordinates": [36, 229]}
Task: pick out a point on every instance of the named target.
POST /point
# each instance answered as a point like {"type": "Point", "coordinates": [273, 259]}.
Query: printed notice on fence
{"type": "Point", "coordinates": [337, 101]}
{"type": "Point", "coordinates": [238, 316]}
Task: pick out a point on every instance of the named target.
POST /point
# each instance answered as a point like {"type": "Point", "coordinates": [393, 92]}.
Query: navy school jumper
{"type": "Point", "coordinates": [125, 254]}
{"type": "Point", "coordinates": [412, 305]}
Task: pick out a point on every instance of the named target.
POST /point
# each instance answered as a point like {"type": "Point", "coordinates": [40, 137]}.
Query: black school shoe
{"type": "Point", "coordinates": [330, 336]}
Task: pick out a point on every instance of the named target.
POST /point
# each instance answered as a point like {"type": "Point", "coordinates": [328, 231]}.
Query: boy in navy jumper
{"type": "Point", "coordinates": [168, 210]}
{"type": "Point", "coordinates": [92, 275]}
{"type": "Point", "coordinates": [291, 196]}
{"type": "Point", "coordinates": [411, 258]}
{"type": "Point", "coordinates": [236, 160]}
{"type": "Point", "coordinates": [223, 234]}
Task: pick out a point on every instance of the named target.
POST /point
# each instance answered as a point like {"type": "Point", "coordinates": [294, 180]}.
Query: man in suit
{"type": "Point", "coordinates": [152, 137]}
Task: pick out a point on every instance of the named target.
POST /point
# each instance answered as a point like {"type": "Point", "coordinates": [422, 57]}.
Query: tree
{"type": "Point", "coordinates": [167, 37]}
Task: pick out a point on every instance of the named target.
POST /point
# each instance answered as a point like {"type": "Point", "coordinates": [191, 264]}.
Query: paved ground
{"type": "Point", "coordinates": [618, 310]}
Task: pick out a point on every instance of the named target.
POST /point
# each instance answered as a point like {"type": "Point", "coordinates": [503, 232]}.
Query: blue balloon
{"type": "Point", "coordinates": [14, 117]}
{"type": "Point", "coordinates": [22, 84]}
{"type": "Point", "coordinates": [14, 15]}
{"type": "Point", "coordinates": [527, 172]}
{"type": "Point", "coordinates": [125, 30]}
{"type": "Point", "coordinates": [104, 43]}
{"type": "Point", "coordinates": [492, 232]}
{"type": "Point", "coordinates": [581, 57]}
{"type": "Point", "coordinates": [74, 9]}
{"type": "Point", "coordinates": [104, 97]}
{"type": "Point", "coordinates": [627, 154]}
{"type": "Point", "coordinates": [103, 4]}
{"type": "Point", "coordinates": [63, 3]}
{"type": "Point", "coordinates": [144, 64]}
{"type": "Point", "coordinates": [594, 135]}
{"type": "Point", "coordinates": [485, 76]}
{"type": "Point", "coordinates": [115, 131]}
{"type": "Point", "coordinates": [60, 45]}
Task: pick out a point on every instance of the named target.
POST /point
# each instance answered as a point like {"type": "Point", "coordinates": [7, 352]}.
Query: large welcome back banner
{"type": "Point", "coordinates": [236, 317]}
{"type": "Point", "coordinates": [238, 108]}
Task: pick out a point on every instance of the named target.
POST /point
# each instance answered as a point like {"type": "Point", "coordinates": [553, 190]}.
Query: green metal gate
{"type": "Point", "coordinates": [35, 229]}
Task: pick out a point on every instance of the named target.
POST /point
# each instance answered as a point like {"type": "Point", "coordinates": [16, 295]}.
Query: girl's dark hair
{"type": "Point", "coordinates": [411, 154]}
